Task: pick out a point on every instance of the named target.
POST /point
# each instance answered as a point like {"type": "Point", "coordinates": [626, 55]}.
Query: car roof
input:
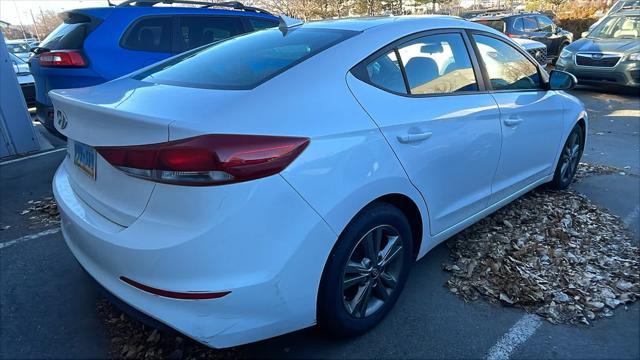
{"type": "Point", "coordinates": [504, 16]}
{"type": "Point", "coordinates": [105, 11]}
{"type": "Point", "coordinates": [627, 12]}
{"type": "Point", "coordinates": [365, 23]}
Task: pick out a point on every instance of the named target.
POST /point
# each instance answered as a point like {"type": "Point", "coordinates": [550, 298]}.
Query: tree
{"type": "Point", "coordinates": [556, 3]}
{"type": "Point", "coordinates": [45, 22]}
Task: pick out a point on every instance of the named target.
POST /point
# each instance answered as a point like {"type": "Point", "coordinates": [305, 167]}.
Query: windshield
{"type": "Point", "coordinates": [18, 48]}
{"type": "Point", "coordinates": [245, 61]}
{"type": "Point", "coordinates": [618, 27]}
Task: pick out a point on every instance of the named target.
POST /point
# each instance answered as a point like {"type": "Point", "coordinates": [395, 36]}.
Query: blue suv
{"type": "Point", "coordinates": [96, 45]}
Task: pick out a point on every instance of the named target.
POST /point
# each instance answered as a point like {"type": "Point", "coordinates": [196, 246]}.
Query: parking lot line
{"type": "Point", "coordinates": [29, 237]}
{"type": "Point", "coordinates": [516, 336]}
{"type": "Point", "coordinates": [33, 156]}
{"type": "Point", "coordinates": [629, 219]}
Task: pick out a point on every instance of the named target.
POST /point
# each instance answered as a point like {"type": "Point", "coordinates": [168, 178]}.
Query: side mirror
{"type": "Point", "coordinates": [561, 80]}
{"type": "Point", "coordinates": [584, 34]}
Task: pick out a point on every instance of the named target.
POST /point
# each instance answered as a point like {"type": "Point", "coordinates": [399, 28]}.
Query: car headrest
{"type": "Point", "coordinates": [421, 70]}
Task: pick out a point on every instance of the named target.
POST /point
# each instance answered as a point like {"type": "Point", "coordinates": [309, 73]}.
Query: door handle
{"type": "Point", "coordinates": [411, 138]}
{"type": "Point", "coordinates": [511, 122]}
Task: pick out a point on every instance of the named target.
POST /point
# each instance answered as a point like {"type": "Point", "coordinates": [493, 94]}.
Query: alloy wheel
{"type": "Point", "coordinates": [570, 157]}
{"type": "Point", "coordinates": [372, 271]}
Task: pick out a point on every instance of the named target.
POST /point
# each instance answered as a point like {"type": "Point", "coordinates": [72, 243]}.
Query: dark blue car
{"type": "Point", "coordinates": [96, 45]}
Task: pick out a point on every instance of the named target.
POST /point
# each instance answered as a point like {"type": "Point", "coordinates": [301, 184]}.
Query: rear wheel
{"type": "Point", "coordinates": [569, 159]}
{"type": "Point", "coordinates": [366, 271]}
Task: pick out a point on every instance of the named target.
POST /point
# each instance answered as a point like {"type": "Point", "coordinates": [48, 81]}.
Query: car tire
{"type": "Point", "coordinates": [380, 229]}
{"type": "Point", "coordinates": [569, 159]}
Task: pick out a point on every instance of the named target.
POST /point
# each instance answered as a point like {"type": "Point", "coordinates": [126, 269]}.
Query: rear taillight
{"type": "Point", "coordinates": [62, 58]}
{"type": "Point", "coordinates": [207, 159]}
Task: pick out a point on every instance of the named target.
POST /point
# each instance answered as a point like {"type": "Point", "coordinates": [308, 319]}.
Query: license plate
{"type": "Point", "coordinates": [84, 157]}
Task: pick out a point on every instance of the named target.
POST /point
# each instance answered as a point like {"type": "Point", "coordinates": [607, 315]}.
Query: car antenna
{"type": "Point", "coordinates": [288, 23]}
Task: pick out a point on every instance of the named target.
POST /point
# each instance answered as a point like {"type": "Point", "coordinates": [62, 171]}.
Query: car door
{"type": "Point", "coordinates": [531, 117]}
{"type": "Point", "coordinates": [426, 97]}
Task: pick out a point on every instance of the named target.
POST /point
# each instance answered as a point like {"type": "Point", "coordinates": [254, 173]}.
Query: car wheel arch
{"type": "Point", "coordinates": [407, 206]}
{"type": "Point", "coordinates": [580, 121]}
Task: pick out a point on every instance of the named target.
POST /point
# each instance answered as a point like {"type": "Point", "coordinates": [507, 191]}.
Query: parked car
{"type": "Point", "coordinates": [24, 79]}
{"type": "Point", "coordinates": [617, 6]}
{"type": "Point", "coordinates": [19, 48]}
{"type": "Point", "coordinates": [95, 45]}
{"type": "Point", "coordinates": [610, 54]}
{"type": "Point", "coordinates": [282, 178]}
{"type": "Point", "coordinates": [532, 26]}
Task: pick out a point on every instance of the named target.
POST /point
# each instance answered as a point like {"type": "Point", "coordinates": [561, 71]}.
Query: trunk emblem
{"type": "Point", "coordinates": [62, 119]}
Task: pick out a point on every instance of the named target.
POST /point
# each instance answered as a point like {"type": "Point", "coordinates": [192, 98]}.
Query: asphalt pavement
{"type": "Point", "coordinates": [48, 304]}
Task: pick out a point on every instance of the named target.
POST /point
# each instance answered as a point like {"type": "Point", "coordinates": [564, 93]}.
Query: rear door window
{"type": "Point", "coordinates": [259, 24]}
{"type": "Point", "coordinates": [151, 34]}
{"type": "Point", "coordinates": [530, 23]}
{"type": "Point", "coordinates": [245, 61]}
{"type": "Point", "coordinates": [496, 24]}
{"type": "Point", "coordinates": [66, 37]}
{"type": "Point", "coordinates": [196, 31]}
{"type": "Point", "coordinates": [517, 24]}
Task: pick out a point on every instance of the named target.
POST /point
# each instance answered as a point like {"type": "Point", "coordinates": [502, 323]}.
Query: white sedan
{"type": "Point", "coordinates": [291, 176]}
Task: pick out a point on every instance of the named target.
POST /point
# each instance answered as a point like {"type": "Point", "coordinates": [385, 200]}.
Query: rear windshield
{"type": "Point", "coordinates": [66, 36]}
{"type": "Point", "coordinates": [496, 24]}
{"type": "Point", "coordinates": [245, 61]}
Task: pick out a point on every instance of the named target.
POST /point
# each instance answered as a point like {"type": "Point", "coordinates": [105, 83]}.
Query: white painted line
{"type": "Point", "coordinates": [628, 220]}
{"type": "Point", "coordinates": [33, 156]}
{"type": "Point", "coordinates": [516, 336]}
{"type": "Point", "coordinates": [29, 237]}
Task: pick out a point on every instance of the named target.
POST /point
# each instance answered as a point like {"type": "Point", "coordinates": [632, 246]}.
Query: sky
{"type": "Point", "coordinates": [14, 11]}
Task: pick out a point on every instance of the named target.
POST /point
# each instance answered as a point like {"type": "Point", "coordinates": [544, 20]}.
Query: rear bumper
{"type": "Point", "coordinates": [626, 73]}
{"type": "Point", "coordinates": [242, 243]}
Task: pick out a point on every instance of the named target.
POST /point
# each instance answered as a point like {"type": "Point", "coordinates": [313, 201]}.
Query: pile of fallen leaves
{"type": "Point", "coordinates": [131, 339]}
{"type": "Point", "coordinates": [42, 212]}
{"type": "Point", "coordinates": [553, 253]}
{"type": "Point", "coordinates": [585, 170]}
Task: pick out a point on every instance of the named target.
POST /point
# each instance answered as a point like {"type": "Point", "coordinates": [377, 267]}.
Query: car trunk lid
{"type": "Point", "coordinates": [89, 118]}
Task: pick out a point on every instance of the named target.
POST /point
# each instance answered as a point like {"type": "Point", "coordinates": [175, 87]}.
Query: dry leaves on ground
{"type": "Point", "coordinates": [42, 212]}
{"type": "Point", "coordinates": [553, 253]}
{"type": "Point", "coordinates": [585, 170]}
{"type": "Point", "coordinates": [131, 339]}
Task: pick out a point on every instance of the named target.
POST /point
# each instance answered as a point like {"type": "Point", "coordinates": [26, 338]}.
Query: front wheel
{"type": "Point", "coordinates": [366, 271]}
{"type": "Point", "coordinates": [569, 159]}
